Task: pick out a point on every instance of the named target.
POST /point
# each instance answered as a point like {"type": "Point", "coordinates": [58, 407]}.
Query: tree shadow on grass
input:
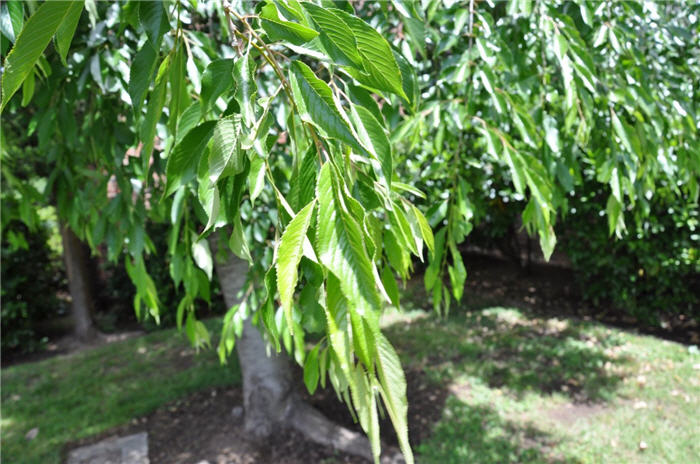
{"type": "Point", "coordinates": [507, 349]}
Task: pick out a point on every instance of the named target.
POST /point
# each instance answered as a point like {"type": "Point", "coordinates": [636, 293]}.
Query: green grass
{"type": "Point", "coordinates": [517, 388]}
{"type": "Point", "coordinates": [76, 396]}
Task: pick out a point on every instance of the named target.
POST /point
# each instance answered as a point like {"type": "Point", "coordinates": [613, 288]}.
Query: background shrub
{"type": "Point", "coordinates": [651, 273]}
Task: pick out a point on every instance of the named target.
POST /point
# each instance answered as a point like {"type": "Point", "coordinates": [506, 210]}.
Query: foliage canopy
{"type": "Point", "coordinates": [324, 145]}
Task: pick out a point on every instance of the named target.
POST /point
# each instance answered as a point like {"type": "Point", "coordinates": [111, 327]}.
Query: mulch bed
{"type": "Point", "coordinates": [208, 426]}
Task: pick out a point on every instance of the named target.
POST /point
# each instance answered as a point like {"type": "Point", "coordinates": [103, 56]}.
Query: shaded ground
{"type": "Point", "coordinates": [546, 290]}
{"type": "Point", "coordinates": [207, 426]}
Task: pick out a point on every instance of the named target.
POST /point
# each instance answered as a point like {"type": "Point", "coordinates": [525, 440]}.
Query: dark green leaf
{"type": "Point", "coordinates": [65, 32]}
{"type": "Point", "coordinates": [184, 159]}
{"type": "Point", "coordinates": [141, 71]}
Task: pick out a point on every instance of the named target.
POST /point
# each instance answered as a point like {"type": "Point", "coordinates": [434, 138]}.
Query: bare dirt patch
{"type": "Point", "coordinates": [208, 426]}
{"type": "Point", "coordinates": [569, 413]}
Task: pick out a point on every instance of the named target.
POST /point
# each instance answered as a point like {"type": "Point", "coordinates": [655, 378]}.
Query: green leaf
{"type": "Point", "coordinates": [225, 149]}
{"type": "Point", "coordinates": [409, 80]}
{"type": "Point", "coordinates": [141, 71]}
{"type": "Point", "coordinates": [457, 272]}
{"type": "Point", "coordinates": [246, 88]}
{"type": "Point", "coordinates": [184, 159]}
{"type": "Point", "coordinates": [377, 57]}
{"type": "Point", "coordinates": [217, 79]}
{"type": "Point", "coordinates": [424, 226]}
{"type": "Point", "coordinates": [16, 11]}
{"type": "Point", "coordinates": [179, 97]}
{"type": "Point", "coordinates": [65, 32]}
{"type": "Point", "coordinates": [35, 36]}
{"type": "Point", "coordinates": [393, 390]}
{"type": "Point", "coordinates": [616, 220]}
{"type": "Point", "coordinates": [622, 132]}
{"type": "Point", "coordinates": [288, 257]}
{"type": "Point", "coordinates": [336, 37]}
{"type": "Point", "coordinates": [211, 203]}
{"type": "Point", "coordinates": [305, 181]}
{"type": "Point", "coordinates": [188, 119]}
{"type": "Point", "coordinates": [416, 32]}
{"type": "Point", "coordinates": [152, 16]}
{"type": "Point", "coordinates": [372, 135]}
{"type": "Point", "coordinates": [390, 286]}
{"type": "Point", "coordinates": [341, 246]}
{"type": "Point", "coordinates": [278, 29]}
{"type": "Point", "coordinates": [321, 107]}
{"type": "Point", "coordinates": [28, 89]}
{"type": "Point", "coordinates": [237, 242]}
{"type": "Point", "coordinates": [202, 256]}
{"type": "Point", "coordinates": [256, 178]}
{"type": "Point", "coordinates": [154, 111]}
{"type": "Point", "coordinates": [311, 374]}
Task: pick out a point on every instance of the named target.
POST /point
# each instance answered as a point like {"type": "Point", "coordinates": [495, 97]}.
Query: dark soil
{"type": "Point", "coordinates": [208, 426]}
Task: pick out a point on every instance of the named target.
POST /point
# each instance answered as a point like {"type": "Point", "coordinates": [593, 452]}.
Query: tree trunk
{"type": "Point", "coordinates": [270, 398]}
{"type": "Point", "coordinates": [79, 285]}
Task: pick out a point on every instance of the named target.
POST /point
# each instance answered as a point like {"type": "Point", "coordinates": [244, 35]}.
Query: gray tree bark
{"type": "Point", "coordinates": [79, 285]}
{"type": "Point", "coordinates": [270, 398]}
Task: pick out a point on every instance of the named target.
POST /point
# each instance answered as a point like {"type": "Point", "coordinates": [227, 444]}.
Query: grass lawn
{"type": "Point", "coordinates": [75, 396]}
{"type": "Point", "coordinates": [507, 387]}
{"type": "Point", "coordinates": [517, 388]}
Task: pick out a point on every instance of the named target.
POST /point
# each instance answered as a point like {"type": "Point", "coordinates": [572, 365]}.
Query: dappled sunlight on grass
{"type": "Point", "coordinates": [519, 354]}
{"type": "Point", "coordinates": [520, 388]}
{"type": "Point", "coordinates": [478, 433]}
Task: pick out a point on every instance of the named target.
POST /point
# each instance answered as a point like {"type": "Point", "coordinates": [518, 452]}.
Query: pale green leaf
{"type": "Point", "coordinates": [30, 44]}
{"type": "Point", "coordinates": [393, 390]}
{"type": "Point", "coordinates": [246, 88]}
{"type": "Point", "coordinates": [256, 178]}
{"type": "Point", "coordinates": [318, 101]}
{"type": "Point", "coordinates": [238, 242]}
{"type": "Point", "coordinates": [202, 256]}
{"type": "Point", "coordinates": [336, 37]}
{"type": "Point", "coordinates": [425, 229]}
{"type": "Point", "coordinates": [383, 72]}
{"type": "Point", "coordinates": [288, 257]}
{"type": "Point", "coordinates": [225, 149]}
{"type": "Point", "coordinates": [279, 29]}
{"type": "Point", "coordinates": [341, 246]}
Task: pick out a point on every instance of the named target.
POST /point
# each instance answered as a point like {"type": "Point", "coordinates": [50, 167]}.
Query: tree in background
{"type": "Point", "coordinates": [281, 132]}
